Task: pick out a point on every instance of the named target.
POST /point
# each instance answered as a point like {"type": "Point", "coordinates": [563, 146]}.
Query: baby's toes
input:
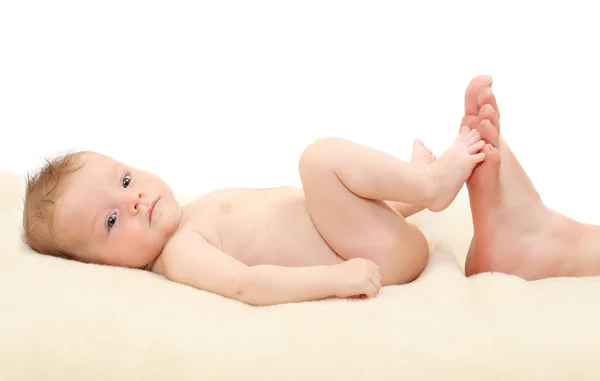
{"type": "Point", "coordinates": [464, 132]}
{"type": "Point", "coordinates": [477, 158]}
{"type": "Point", "coordinates": [473, 137]}
{"type": "Point", "coordinates": [476, 147]}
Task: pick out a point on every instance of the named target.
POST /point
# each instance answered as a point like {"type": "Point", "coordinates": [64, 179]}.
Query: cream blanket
{"type": "Point", "coordinates": [63, 320]}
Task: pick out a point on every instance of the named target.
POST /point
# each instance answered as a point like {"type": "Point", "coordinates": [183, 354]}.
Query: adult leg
{"type": "Point", "coordinates": [514, 232]}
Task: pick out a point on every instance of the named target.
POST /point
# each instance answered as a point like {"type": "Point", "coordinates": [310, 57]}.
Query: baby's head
{"type": "Point", "coordinates": [89, 207]}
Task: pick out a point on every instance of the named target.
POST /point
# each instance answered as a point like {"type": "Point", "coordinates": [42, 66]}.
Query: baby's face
{"type": "Point", "coordinates": [113, 214]}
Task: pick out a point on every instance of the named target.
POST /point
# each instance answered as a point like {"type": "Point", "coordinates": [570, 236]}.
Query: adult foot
{"type": "Point", "coordinates": [514, 232]}
{"type": "Point", "coordinates": [453, 168]}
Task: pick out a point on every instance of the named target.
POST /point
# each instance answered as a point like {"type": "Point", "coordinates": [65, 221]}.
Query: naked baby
{"type": "Point", "coordinates": [343, 234]}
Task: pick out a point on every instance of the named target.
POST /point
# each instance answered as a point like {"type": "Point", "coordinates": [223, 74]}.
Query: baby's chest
{"type": "Point", "coordinates": [261, 228]}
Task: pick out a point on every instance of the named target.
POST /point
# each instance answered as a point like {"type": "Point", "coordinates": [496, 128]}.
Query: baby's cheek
{"type": "Point", "coordinates": [139, 238]}
{"type": "Point", "coordinates": [138, 233]}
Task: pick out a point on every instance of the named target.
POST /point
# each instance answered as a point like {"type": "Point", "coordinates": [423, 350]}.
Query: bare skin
{"type": "Point", "coordinates": [514, 232]}
{"type": "Point", "coordinates": [420, 155]}
{"type": "Point", "coordinates": [335, 237]}
{"type": "Point", "coordinates": [287, 244]}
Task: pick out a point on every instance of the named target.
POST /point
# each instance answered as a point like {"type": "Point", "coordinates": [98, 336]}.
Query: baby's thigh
{"type": "Point", "coordinates": [398, 247]}
{"type": "Point", "coordinates": [405, 262]}
{"type": "Point", "coordinates": [356, 227]}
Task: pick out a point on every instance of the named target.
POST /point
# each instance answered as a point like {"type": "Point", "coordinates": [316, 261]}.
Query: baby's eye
{"type": "Point", "coordinates": [126, 181]}
{"type": "Point", "coordinates": [112, 219]}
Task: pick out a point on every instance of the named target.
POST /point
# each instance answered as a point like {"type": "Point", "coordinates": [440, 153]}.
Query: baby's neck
{"type": "Point", "coordinates": [149, 266]}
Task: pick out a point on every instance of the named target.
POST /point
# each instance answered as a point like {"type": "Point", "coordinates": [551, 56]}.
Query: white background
{"type": "Point", "coordinates": [220, 93]}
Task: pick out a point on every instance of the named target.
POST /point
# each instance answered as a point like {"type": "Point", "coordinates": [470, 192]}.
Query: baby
{"type": "Point", "coordinates": [342, 235]}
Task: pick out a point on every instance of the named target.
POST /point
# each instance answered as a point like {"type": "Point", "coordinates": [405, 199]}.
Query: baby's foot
{"type": "Point", "coordinates": [421, 154]}
{"type": "Point", "coordinates": [453, 168]}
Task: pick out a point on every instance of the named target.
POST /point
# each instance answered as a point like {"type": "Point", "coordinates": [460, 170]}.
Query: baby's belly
{"type": "Point", "coordinates": [273, 226]}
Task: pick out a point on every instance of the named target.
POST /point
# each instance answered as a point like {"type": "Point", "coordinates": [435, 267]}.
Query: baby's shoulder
{"type": "Point", "coordinates": [182, 242]}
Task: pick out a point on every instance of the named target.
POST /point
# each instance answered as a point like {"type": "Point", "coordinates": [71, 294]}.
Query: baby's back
{"type": "Point", "coordinates": [260, 226]}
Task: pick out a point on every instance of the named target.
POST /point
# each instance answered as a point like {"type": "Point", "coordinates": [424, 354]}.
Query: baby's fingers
{"type": "Point", "coordinates": [370, 290]}
{"type": "Point", "coordinates": [377, 274]}
{"type": "Point", "coordinates": [376, 283]}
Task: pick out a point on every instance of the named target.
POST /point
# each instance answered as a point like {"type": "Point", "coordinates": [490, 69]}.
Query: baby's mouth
{"type": "Point", "coordinates": [151, 210]}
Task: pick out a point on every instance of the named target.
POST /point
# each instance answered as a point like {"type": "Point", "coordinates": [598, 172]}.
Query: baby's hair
{"type": "Point", "coordinates": [42, 191]}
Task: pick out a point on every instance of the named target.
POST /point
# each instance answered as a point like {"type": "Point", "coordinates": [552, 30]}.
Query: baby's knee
{"type": "Point", "coordinates": [409, 258]}
{"type": "Point", "coordinates": [317, 156]}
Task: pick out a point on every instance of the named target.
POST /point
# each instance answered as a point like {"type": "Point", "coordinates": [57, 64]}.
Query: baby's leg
{"type": "Point", "coordinates": [345, 185]}
{"type": "Point", "coordinates": [420, 155]}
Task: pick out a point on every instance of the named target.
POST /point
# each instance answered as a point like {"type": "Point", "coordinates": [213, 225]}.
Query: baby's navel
{"type": "Point", "coordinates": [225, 207]}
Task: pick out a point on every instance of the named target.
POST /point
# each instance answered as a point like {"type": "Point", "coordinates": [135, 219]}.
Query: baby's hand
{"type": "Point", "coordinates": [356, 277]}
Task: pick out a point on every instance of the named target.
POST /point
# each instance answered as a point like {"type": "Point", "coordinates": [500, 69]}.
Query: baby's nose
{"type": "Point", "coordinates": [134, 209]}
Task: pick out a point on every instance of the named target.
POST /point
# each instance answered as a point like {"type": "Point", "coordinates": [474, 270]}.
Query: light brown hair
{"type": "Point", "coordinates": [43, 188]}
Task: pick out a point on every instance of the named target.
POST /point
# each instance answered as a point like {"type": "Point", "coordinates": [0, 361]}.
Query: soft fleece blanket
{"type": "Point", "coordinates": [63, 320]}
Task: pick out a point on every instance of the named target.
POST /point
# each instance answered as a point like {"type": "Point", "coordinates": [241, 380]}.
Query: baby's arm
{"type": "Point", "coordinates": [190, 259]}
